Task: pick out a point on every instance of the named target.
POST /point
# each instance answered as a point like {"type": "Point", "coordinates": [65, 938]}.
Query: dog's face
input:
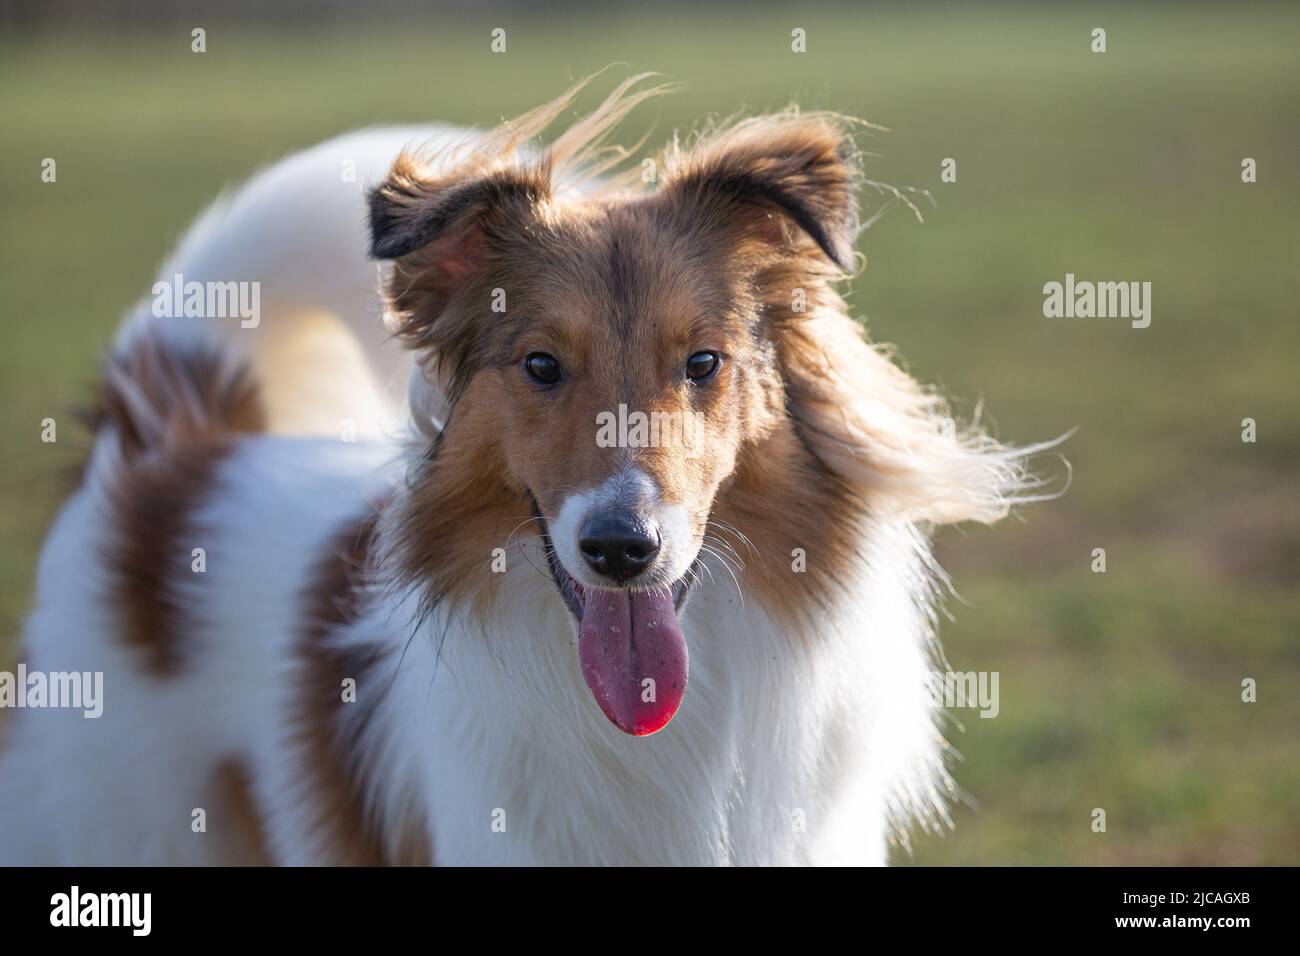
{"type": "Point", "coordinates": [626, 395]}
{"type": "Point", "coordinates": [608, 361]}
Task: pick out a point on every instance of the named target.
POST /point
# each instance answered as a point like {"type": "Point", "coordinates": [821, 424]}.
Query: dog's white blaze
{"type": "Point", "coordinates": [634, 491]}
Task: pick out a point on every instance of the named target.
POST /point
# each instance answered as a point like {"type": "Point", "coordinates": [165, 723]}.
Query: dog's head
{"type": "Point", "coordinates": [616, 363]}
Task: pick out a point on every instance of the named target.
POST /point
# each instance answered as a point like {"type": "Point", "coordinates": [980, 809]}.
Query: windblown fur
{"type": "Point", "coordinates": [374, 664]}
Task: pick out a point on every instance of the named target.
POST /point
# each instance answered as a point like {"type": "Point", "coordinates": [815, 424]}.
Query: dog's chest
{"type": "Point", "coordinates": [773, 742]}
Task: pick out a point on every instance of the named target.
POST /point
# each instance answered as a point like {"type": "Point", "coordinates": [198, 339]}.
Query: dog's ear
{"type": "Point", "coordinates": [412, 208]}
{"type": "Point", "coordinates": [439, 231]}
{"type": "Point", "coordinates": [764, 173]}
{"type": "Point", "coordinates": [882, 434]}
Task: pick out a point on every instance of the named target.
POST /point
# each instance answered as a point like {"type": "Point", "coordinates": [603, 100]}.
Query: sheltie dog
{"type": "Point", "coordinates": [412, 566]}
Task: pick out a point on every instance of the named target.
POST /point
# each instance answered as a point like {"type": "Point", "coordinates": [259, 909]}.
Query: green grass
{"type": "Point", "coordinates": [1119, 690]}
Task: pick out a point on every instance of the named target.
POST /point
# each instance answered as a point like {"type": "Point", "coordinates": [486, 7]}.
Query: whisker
{"type": "Point", "coordinates": [727, 528]}
{"type": "Point", "coordinates": [723, 559]}
{"type": "Point", "coordinates": [730, 550]}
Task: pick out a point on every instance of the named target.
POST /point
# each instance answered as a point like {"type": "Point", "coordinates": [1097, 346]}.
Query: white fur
{"type": "Point", "coordinates": [785, 751]}
{"type": "Point", "coordinates": [635, 491]}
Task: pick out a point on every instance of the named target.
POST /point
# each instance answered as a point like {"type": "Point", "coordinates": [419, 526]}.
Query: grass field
{"type": "Point", "coordinates": [1118, 690]}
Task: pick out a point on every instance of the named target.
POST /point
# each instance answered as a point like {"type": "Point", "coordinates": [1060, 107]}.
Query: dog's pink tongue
{"type": "Point", "coordinates": [633, 656]}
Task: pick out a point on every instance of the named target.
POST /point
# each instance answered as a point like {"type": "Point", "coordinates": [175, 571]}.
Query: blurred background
{"type": "Point", "coordinates": [1119, 690]}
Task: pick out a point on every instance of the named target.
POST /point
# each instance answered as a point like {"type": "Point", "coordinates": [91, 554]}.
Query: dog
{"type": "Point", "coordinates": [394, 571]}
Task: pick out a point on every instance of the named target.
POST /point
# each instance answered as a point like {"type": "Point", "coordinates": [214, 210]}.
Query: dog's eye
{"type": "Point", "coordinates": [701, 366]}
{"type": "Point", "coordinates": [542, 368]}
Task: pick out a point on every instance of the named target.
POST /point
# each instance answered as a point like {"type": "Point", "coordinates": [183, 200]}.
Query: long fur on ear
{"type": "Point", "coordinates": [800, 165]}
{"type": "Point", "coordinates": [409, 210]}
{"type": "Point", "coordinates": [881, 432]}
{"type": "Point", "coordinates": [425, 195]}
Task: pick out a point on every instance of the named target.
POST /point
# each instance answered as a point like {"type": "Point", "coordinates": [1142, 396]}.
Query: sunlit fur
{"type": "Point", "coordinates": [806, 736]}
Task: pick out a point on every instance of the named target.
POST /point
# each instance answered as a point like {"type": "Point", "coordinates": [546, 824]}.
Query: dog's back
{"type": "Point", "coordinates": [174, 568]}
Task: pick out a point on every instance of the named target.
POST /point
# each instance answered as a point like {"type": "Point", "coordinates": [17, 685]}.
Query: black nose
{"type": "Point", "coordinates": [618, 546]}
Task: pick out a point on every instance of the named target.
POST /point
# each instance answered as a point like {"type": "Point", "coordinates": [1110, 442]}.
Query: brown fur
{"type": "Point", "coordinates": [237, 821]}
{"type": "Point", "coordinates": [174, 417]}
{"type": "Point", "coordinates": [334, 597]}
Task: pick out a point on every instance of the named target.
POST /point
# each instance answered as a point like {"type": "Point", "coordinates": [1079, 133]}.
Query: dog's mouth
{"type": "Point", "coordinates": [630, 645]}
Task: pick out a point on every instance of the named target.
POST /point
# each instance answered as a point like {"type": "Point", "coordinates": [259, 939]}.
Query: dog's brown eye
{"type": "Point", "coordinates": [542, 368]}
{"type": "Point", "coordinates": [702, 365]}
